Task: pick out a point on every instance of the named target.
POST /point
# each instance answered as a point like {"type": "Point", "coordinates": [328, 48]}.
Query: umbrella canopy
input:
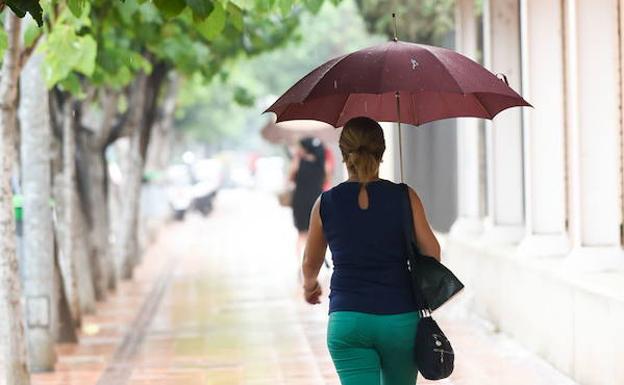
{"type": "Point", "coordinates": [292, 131]}
{"type": "Point", "coordinates": [432, 83]}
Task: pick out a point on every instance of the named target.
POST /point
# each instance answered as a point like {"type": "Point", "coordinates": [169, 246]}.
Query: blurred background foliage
{"type": "Point", "coordinates": [227, 111]}
{"type": "Point", "coordinates": [421, 21]}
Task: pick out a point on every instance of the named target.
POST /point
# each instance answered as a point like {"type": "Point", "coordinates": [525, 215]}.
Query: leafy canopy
{"type": "Point", "coordinates": [106, 43]}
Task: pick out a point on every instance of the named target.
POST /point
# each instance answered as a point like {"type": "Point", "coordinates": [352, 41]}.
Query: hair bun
{"type": "Point", "coordinates": [362, 145]}
{"type": "Point", "coordinates": [360, 149]}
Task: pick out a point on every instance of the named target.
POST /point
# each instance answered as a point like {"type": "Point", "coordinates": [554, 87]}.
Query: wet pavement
{"type": "Point", "coordinates": [217, 301]}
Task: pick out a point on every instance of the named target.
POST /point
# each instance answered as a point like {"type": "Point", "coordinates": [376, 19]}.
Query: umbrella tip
{"type": "Point", "coordinates": [395, 38]}
{"type": "Point", "coordinates": [503, 78]}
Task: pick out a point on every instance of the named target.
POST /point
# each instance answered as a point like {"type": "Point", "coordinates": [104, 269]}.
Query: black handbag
{"type": "Point", "coordinates": [432, 284]}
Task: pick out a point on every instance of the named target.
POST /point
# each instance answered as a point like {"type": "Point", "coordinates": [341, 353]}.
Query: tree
{"type": "Point", "coordinates": [187, 39]}
{"type": "Point", "coordinates": [15, 361]}
{"type": "Point", "coordinates": [38, 257]}
{"type": "Point", "coordinates": [99, 55]}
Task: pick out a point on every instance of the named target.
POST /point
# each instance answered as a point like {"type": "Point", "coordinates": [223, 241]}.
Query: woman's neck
{"type": "Point", "coordinates": [355, 179]}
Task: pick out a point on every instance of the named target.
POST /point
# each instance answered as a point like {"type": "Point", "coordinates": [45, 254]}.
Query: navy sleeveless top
{"type": "Point", "coordinates": [368, 250]}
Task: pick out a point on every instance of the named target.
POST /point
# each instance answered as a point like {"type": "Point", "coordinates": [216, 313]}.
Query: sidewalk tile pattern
{"type": "Point", "coordinates": [232, 314]}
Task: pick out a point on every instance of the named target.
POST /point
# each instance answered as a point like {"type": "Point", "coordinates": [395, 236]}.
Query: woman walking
{"type": "Point", "coordinates": [308, 174]}
{"type": "Point", "coordinates": [372, 317]}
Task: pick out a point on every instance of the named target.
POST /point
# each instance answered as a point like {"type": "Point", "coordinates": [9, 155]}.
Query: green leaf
{"type": "Point", "coordinates": [264, 6]}
{"type": "Point", "coordinates": [31, 34]}
{"type": "Point", "coordinates": [243, 4]}
{"type": "Point", "coordinates": [21, 7]}
{"type": "Point", "coordinates": [127, 9]}
{"type": "Point", "coordinates": [66, 52]}
{"type": "Point", "coordinates": [170, 8]}
{"type": "Point", "coordinates": [4, 42]}
{"type": "Point", "coordinates": [285, 6]}
{"type": "Point", "coordinates": [243, 97]}
{"type": "Point", "coordinates": [236, 16]}
{"type": "Point", "coordinates": [72, 85]}
{"type": "Point", "coordinates": [87, 51]}
{"type": "Point", "coordinates": [76, 6]}
{"type": "Point", "coordinates": [313, 6]}
{"type": "Point", "coordinates": [212, 26]}
{"type": "Point", "coordinates": [201, 8]}
{"type": "Point", "coordinates": [150, 14]}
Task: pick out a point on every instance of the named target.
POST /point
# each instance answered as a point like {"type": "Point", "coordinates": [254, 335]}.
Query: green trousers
{"type": "Point", "coordinates": [373, 349]}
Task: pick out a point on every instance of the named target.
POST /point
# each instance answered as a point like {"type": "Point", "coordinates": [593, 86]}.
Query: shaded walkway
{"type": "Point", "coordinates": [216, 301]}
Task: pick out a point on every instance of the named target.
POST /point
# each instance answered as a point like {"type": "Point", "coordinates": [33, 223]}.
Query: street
{"type": "Point", "coordinates": [216, 301]}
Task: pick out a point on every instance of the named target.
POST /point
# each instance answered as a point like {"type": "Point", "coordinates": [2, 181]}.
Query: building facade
{"type": "Point", "coordinates": [538, 237]}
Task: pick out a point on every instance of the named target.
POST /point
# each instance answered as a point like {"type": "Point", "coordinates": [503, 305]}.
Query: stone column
{"type": "Point", "coordinates": [469, 220]}
{"type": "Point", "coordinates": [389, 168]}
{"type": "Point", "coordinates": [544, 128]}
{"type": "Point", "coordinates": [592, 59]}
{"type": "Point", "coordinates": [505, 221]}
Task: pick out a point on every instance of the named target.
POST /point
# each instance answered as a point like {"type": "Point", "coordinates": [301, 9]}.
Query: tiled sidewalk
{"type": "Point", "coordinates": [216, 301]}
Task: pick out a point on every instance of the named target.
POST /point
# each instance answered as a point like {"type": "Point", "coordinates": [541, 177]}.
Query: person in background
{"type": "Point", "coordinates": [307, 172]}
{"type": "Point", "coordinates": [330, 164]}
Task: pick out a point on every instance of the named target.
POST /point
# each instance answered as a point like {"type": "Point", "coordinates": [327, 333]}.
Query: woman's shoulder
{"type": "Point", "coordinates": [390, 185]}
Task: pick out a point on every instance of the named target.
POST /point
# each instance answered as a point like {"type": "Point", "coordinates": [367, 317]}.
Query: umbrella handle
{"type": "Point", "coordinates": [398, 105]}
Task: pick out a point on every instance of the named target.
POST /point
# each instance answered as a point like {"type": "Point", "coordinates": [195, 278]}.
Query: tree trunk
{"type": "Point", "coordinates": [86, 286]}
{"type": "Point", "coordinates": [127, 239]}
{"type": "Point", "coordinates": [14, 344]}
{"type": "Point", "coordinates": [144, 106]}
{"type": "Point", "coordinates": [159, 152]}
{"type": "Point", "coordinates": [90, 211]}
{"type": "Point", "coordinates": [74, 255]}
{"type": "Point", "coordinates": [38, 258]}
{"type": "Point", "coordinates": [65, 269]}
{"type": "Point", "coordinates": [96, 149]}
{"type": "Point", "coordinates": [67, 249]}
{"type": "Point", "coordinates": [100, 227]}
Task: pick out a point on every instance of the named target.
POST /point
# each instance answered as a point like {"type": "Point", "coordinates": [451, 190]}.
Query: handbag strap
{"type": "Point", "coordinates": [412, 251]}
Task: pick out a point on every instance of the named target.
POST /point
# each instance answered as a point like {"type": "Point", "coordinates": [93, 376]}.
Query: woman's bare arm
{"type": "Point", "coordinates": [425, 239]}
{"type": "Point", "coordinates": [314, 255]}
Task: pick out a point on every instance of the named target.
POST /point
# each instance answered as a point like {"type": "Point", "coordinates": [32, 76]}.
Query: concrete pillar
{"type": "Point", "coordinates": [592, 59]}
{"type": "Point", "coordinates": [544, 128]}
{"type": "Point", "coordinates": [505, 221]}
{"type": "Point", "coordinates": [469, 220]}
{"type": "Point", "coordinates": [389, 168]}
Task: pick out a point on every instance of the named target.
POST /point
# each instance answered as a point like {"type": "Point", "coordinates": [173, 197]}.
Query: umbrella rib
{"type": "Point", "coordinates": [341, 112]}
{"type": "Point", "coordinates": [480, 104]}
{"type": "Point", "coordinates": [329, 68]}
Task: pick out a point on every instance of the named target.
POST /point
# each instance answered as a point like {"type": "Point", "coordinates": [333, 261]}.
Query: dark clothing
{"type": "Point", "coordinates": [308, 187]}
{"type": "Point", "coordinates": [368, 249]}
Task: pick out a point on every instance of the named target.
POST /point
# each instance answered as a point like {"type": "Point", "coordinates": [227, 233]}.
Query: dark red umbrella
{"type": "Point", "coordinates": [431, 83]}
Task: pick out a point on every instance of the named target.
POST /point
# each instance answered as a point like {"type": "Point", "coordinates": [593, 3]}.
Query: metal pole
{"type": "Point", "coordinates": [398, 104]}
{"type": "Point", "coordinates": [394, 18]}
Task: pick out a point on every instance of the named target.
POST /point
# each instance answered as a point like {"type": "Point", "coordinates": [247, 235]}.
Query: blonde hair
{"type": "Point", "coordinates": [362, 145]}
